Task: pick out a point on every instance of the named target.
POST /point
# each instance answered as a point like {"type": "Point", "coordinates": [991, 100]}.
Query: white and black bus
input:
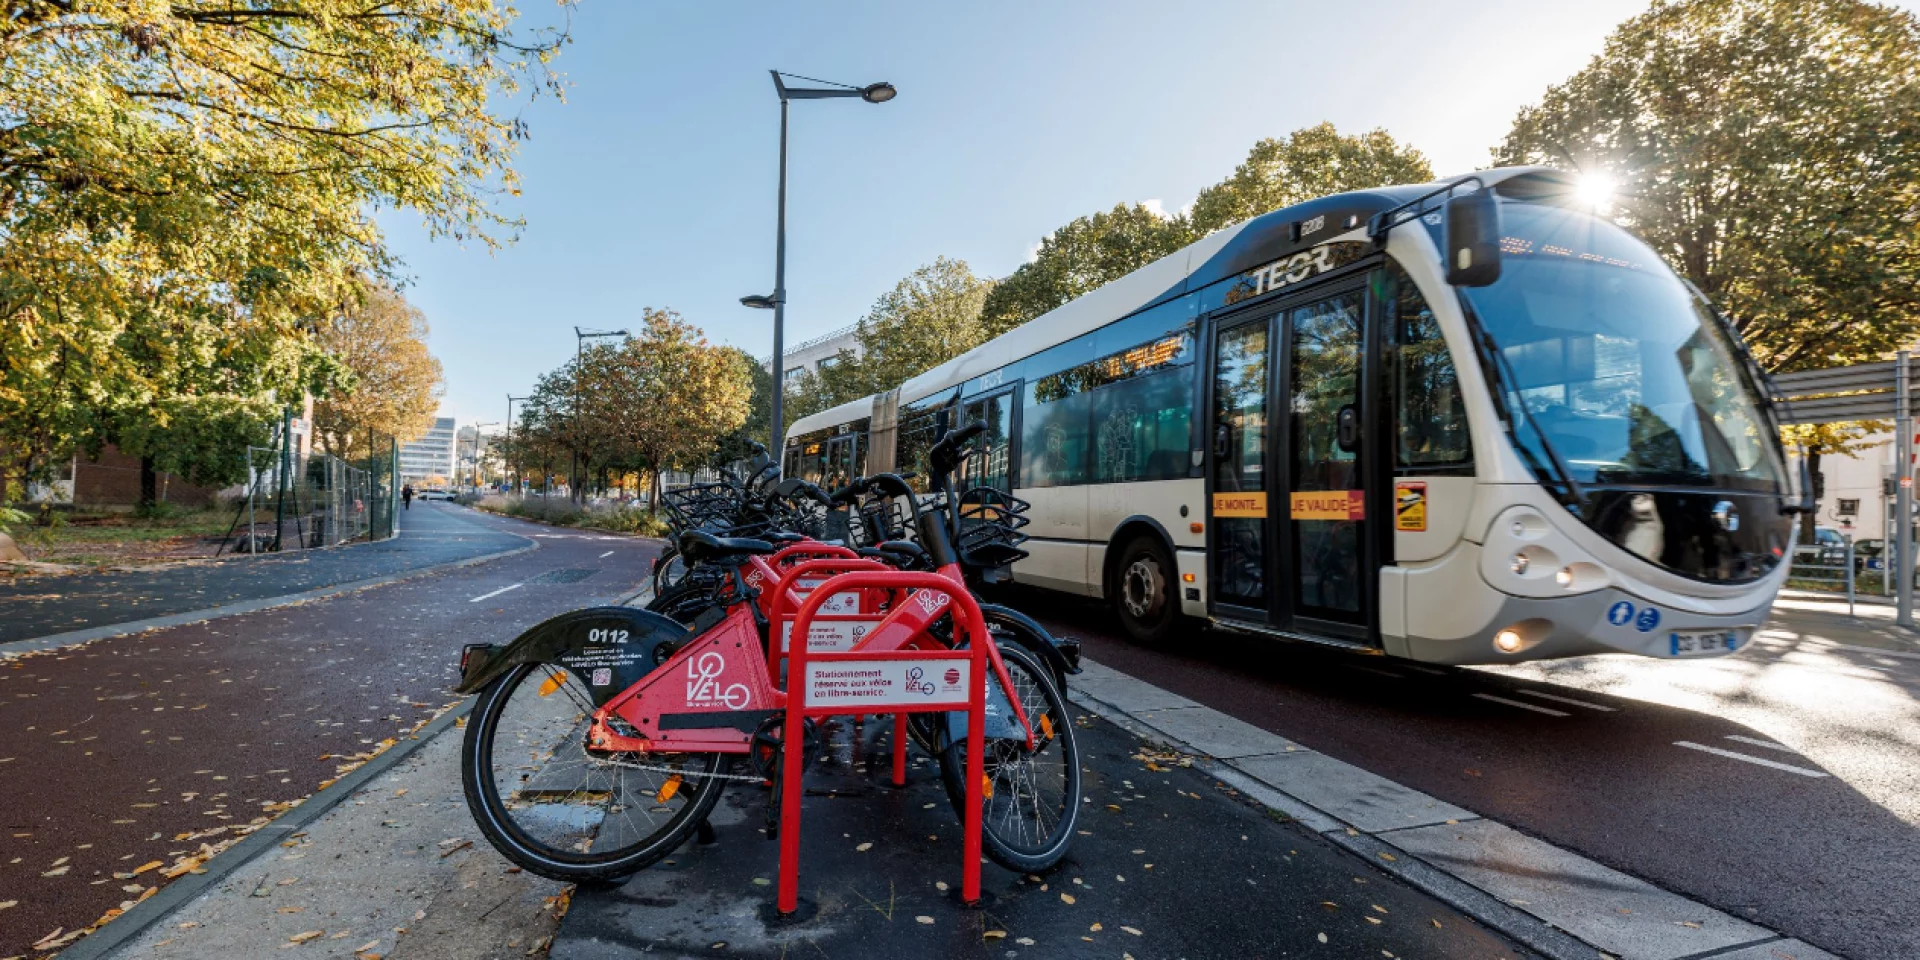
{"type": "Point", "coordinates": [1467, 422]}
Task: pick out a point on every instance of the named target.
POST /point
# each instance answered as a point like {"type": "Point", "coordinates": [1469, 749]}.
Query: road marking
{"type": "Point", "coordinates": [1729, 754]}
{"type": "Point", "coordinates": [1770, 745]}
{"type": "Point", "coordinates": [1555, 696]}
{"type": "Point", "coordinates": [1384, 673]}
{"type": "Point", "coordinates": [1523, 706]}
{"type": "Point", "coordinates": [496, 593]}
{"type": "Point", "coordinates": [603, 556]}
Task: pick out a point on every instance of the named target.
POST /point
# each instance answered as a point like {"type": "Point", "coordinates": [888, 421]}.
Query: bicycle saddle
{"type": "Point", "coordinates": [894, 550]}
{"type": "Point", "coordinates": [699, 546]}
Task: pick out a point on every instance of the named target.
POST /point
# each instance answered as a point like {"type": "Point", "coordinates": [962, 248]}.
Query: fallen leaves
{"type": "Point", "coordinates": [1066, 898]}
{"type": "Point", "coordinates": [308, 935]}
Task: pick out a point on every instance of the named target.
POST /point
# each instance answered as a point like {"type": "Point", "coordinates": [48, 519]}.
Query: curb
{"type": "Point", "coordinates": [90, 634]}
{"type": "Point", "coordinates": [1433, 878]}
{"type": "Point", "coordinates": [127, 926]}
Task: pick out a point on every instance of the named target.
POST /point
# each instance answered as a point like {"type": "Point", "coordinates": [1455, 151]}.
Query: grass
{"type": "Point", "coordinates": [562, 512]}
{"type": "Point", "coordinates": [95, 539]}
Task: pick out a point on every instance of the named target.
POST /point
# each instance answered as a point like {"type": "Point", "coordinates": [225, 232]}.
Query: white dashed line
{"type": "Point", "coordinates": [1384, 673]}
{"type": "Point", "coordinates": [603, 556]}
{"type": "Point", "coordinates": [1523, 706]}
{"type": "Point", "coordinates": [1770, 745]}
{"type": "Point", "coordinates": [1561, 699]}
{"type": "Point", "coordinates": [496, 593]}
{"type": "Point", "coordinates": [1729, 754]}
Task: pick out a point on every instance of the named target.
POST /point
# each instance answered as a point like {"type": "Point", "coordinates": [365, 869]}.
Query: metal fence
{"type": "Point", "coordinates": [296, 502]}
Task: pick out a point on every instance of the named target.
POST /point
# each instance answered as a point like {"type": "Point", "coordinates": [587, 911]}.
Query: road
{"type": "Point", "coordinates": [136, 749]}
{"type": "Point", "coordinates": [1781, 785]}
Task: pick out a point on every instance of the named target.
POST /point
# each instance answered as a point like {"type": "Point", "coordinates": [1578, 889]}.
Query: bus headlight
{"type": "Point", "coordinates": [1519, 564]}
{"type": "Point", "coordinates": [1564, 576]}
{"type": "Point", "coordinates": [1508, 641]}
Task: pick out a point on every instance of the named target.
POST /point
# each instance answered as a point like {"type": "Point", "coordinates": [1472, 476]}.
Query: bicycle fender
{"type": "Point", "coordinates": [610, 648]}
{"type": "Point", "coordinates": [1062, 654]}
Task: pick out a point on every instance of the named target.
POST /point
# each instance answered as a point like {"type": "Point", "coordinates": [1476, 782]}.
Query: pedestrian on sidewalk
{"type": "Point", "coordinates": [406, 497]}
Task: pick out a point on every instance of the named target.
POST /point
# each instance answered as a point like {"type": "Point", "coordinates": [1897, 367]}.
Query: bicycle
{"type": "Point", "coordinates": [618, 773]}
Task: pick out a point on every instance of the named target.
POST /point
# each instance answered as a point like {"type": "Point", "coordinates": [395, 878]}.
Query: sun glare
{"type": "Point", "coordinates": [1596, 190]}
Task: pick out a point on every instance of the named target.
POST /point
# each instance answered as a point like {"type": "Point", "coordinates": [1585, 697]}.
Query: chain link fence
{"type": "Point", "coordinates": [304, 502]}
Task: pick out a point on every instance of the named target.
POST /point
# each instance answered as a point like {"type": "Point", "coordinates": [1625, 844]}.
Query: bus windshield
{"type": "Point", "coordinates": [1620, 368]}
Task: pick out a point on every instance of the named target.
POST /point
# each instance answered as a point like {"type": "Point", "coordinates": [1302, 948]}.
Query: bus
{"type": "Point", "coordinates": [1462, 422]}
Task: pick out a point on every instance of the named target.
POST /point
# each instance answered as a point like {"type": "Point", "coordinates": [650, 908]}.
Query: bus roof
{"type": "Point", "coordinates": [1221, 255]}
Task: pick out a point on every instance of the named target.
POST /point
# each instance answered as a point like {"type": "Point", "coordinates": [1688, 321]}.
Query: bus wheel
{"type": "Point", "coordinates": [1144, 588]}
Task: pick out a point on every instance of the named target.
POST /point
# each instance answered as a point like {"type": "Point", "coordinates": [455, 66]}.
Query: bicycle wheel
{"type": "Point", "coordinates": [1032, 797]}
{"type": "Point", "coordinates": [560, 812]}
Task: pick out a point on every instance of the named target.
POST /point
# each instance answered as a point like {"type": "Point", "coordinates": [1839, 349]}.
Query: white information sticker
{"type": "Point", "coordinates": [828, 636]}
{"type": "Point", "coordinates": [860, 683]}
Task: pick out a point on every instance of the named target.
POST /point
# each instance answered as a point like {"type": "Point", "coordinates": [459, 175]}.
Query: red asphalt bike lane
{"type": "Point", "coordinates": [140, 749]}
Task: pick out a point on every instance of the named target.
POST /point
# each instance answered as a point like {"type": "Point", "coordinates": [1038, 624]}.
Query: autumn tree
{"type": "Point", "coordinates": [394, 383]}
{"type": "Point", "coordinates": [687, 394]}
{"type": "Point", "coordinates": [931, 316]}
{"type": "Point", "coordinates": [206, 165]}
{"type": "Point", "coordinates": [1770, 151]}
{"type": "Point", "coordinates": [1309, 163]}
{"type": "Point", "coordinates": [1089, 252]}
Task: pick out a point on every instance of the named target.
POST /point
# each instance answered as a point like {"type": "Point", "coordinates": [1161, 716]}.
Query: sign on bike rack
{"type": "Point", "coordinates": [878, 675]}
{"type": "Point", "coordinates": [843, 620]}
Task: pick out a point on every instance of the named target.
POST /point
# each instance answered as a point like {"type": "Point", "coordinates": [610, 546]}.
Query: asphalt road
{"type": "Point", "coordinates": [136, 749]}
{"type": "Point", "coordinates": [1810, 829]}
{"type": "Point", "coordinates": [38, 606]}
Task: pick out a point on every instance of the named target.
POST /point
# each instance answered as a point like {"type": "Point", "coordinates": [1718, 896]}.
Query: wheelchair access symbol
{"type": "Point", "coordinates": [1620, 613]}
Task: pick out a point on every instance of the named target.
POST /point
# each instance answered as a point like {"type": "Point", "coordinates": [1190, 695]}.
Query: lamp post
{"type": "Point", "coordinates": [777, 302]}
{"type": "Point", "coordinates": [580, 338]}
{"type": "Point", "coordinates": [511, 399]}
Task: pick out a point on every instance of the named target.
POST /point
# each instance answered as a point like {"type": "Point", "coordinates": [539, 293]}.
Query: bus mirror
{"type": "Point", "coordinates": [1473, 239]}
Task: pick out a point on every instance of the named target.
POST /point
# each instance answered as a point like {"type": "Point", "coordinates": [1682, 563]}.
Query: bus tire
{"type": "Point", "coordinates": [1145, 590]}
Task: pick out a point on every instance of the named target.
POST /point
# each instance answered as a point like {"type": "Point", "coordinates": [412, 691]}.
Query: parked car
{"type": "Point", "coordinates": [1828, 549]}
{"type": "Point", "coordinates": [434, 495]}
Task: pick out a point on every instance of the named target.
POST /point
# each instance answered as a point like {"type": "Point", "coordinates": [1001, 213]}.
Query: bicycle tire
{"type": "Point", "coordinates": [1004, 827]}
{"type": "Point", "coordinates": [576, 861]}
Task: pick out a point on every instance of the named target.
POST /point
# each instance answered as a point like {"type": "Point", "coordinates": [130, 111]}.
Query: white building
{"type": "Point", "coordinates": [815, 355]}
{"type": "Point", "coordinates": [1859, 489]}
{"type": "Point", "coordinates": [429, 456]}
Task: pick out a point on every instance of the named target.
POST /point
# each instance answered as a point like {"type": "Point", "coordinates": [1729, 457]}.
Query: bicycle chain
{"type": "Point", "coordinates": [627, 764]}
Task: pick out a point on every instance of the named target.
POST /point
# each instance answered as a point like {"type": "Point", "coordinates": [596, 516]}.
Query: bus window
{"type": "Point", "coordinates": [995, 468]}
{"type": "Point", "coordinates": [1432, 419]}
{"type": "Point", "coordinates": [1053, 432]}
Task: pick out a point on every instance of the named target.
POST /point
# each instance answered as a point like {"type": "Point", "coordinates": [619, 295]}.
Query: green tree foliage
{"type": "Point", "coordinates": [738, 445]}
{"type": "Point", "coordinates": [1769, 150]}
{"type": "Point", "coordinates": [1095, 250]}
{"type": "Point", "coordinates": [929, 317]}
{"type": "Point", "coordinates": [211, 170]}
{"type": "Point", "coordinates": [393, 384]}
{"type": "Point", "coordinates": [1308, 163]}
{"type": "Point", "coordinates": [1084, 254]}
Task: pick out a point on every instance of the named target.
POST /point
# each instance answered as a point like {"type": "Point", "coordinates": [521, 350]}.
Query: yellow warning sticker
{"type": "Point", "coordinates": [1248, 504]}
{"type": "Point", "coordinates": [1410, 506]}
{"type": "Point", "coordinates": [1330, 505]}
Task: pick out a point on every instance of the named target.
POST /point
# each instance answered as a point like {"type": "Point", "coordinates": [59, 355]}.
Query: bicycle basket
{"type": "Point", "coordinates": [989, 534]}
{"type": "Point", "coordinates": [701, 506]}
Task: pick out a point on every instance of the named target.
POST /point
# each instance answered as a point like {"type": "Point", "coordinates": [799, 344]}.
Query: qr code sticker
{"type": "Point", "coordinates": [602, 676]}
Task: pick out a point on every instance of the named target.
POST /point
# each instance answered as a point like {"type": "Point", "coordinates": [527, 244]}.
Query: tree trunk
{"type": "Point", "coordinates": [1810, 520]}
{"type": "Point", "coordinates": [149, 485]}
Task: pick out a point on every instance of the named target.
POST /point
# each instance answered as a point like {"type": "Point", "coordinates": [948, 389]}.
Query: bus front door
{"type": "Point", "coordinates": [1288, 520]}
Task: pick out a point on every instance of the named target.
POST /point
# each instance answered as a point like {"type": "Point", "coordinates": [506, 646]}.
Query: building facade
{"type": "Point", "coordinates": [814, 355]}
{"type": "Point", "coordinates": [431, 455]}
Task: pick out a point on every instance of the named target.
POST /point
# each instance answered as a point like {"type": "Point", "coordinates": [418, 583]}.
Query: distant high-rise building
{"type": "Point", "coordinates": [429, 456]}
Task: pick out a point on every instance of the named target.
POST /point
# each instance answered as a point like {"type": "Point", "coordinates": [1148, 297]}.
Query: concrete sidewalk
{"type": "Point", "coordinates": [73, 608]}
{"type": "Point", "coordinates": [1168, 862]}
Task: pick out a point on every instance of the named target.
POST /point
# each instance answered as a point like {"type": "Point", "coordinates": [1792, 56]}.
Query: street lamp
{"type": "Point", "coordinates": [777, 301]}
{"type": "Point", "coordinates": [580, 338]}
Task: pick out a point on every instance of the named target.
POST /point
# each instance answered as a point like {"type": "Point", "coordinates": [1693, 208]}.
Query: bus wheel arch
{"type": "Point", "coordinates": [1140, 579]}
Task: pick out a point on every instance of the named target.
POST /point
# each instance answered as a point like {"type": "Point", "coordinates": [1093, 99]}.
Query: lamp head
{"type": "Point", "coordinates": [758, 302]}
{"type": "Point", "coordinates": [878, 92]}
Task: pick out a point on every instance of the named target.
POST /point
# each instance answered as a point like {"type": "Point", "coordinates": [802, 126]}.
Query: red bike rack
{"type": "Point", "coordinates": [877, 675]}
{"type": "Point", "coordinates": [842, 621]}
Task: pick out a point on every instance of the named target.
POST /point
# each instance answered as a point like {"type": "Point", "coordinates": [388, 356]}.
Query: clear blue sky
{"type": "Point", "coordinates": [653, 185]}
